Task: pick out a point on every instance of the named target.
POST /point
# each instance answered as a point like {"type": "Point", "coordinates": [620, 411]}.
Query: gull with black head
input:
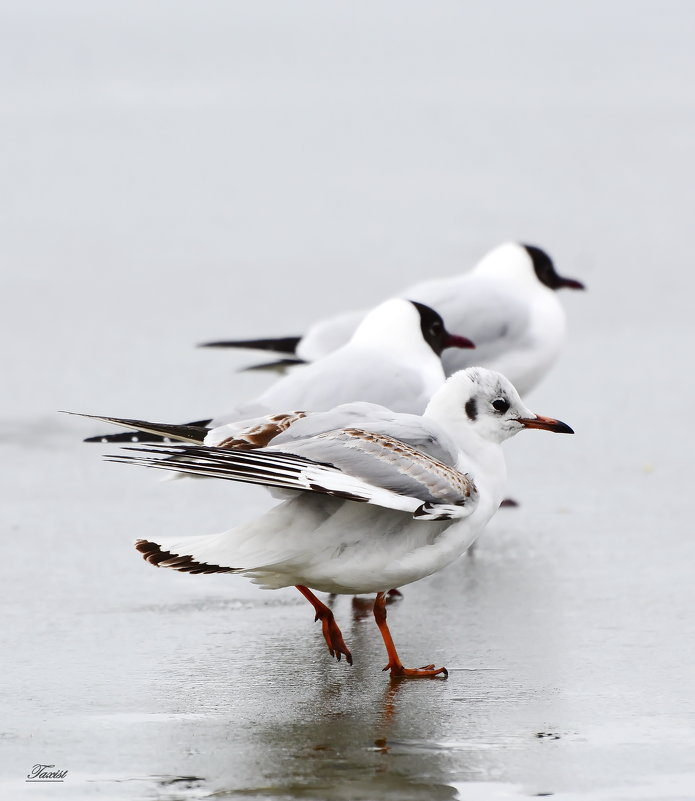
{"type": "Point", "coordinates": [393, 358]}
{"type": "Point", "coordinates": [507, 304]}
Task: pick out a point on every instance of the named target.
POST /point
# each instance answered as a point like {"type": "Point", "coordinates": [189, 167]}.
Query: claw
{"type": "Point", "coordinates": [395, 665]}
{"type": "Point", "coordinates": [398, 672]}
{"type": "Point", "coordinates": [331, 633]}
{"type": "Point", "coordinates": [334, 640]}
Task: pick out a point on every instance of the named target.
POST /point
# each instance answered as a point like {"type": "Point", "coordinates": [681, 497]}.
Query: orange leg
{"type": "Point", "coordinates": [331, 633]}
{"type": "Point", "coordinates": [395, 665]}
{"type": "Point", "coordinates": [363, 607]}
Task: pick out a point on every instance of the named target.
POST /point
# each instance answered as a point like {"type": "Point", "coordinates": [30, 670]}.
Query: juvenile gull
{"type": "Point", "coordinates": [385, 501]}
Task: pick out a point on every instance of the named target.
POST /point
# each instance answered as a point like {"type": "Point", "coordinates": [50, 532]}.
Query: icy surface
{"type": "Point", "coordinates": [180, 172]}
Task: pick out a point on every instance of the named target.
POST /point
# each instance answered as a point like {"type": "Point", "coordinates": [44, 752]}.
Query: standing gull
{"type": "Point", "coordinates": [393, 358]}
{"type": "Point", "coordinates": [381, 503]}
{"type": "Point", "coordinates": [507, 305]}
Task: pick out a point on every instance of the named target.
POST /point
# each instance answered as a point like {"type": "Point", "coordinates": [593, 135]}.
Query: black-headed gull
{"type": "Point", "coordinates": [393, 358]}
{"type": "Point", "coordinates": [507, 305]}
{"type": "Point", "coordinates": [385, 501]}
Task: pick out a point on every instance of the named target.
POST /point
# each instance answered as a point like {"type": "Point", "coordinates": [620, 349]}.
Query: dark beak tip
{"type": "Point", "coordinates": [571, 283]}
{"type": "Point", "coordinates": [547, 424]}
{"type": "Point", "coordinates": [454, 341]}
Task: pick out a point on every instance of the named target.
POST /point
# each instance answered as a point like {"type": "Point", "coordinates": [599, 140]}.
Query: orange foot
{"type": "Point", "coordinates": [331, 633]}
{"type": "Point", "coordinates": [333, 636]}
{"type": "Point", "coordinates": [398, 671]}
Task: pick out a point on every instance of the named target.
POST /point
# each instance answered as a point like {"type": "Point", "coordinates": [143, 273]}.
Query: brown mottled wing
{"type": "Point", "coordinates": [386, 462]}
{"type": "Point", "coordinates": [251, 434]}
{"type": "Point", "coordinates": [346, 463]}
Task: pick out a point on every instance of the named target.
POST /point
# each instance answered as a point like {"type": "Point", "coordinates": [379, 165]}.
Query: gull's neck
{"type": "Point", "coordinates": [511, 264]}
{"type": "Point", "coordinates": [408, 349]}
{"type": "Point", "coordinates": [476, 455]}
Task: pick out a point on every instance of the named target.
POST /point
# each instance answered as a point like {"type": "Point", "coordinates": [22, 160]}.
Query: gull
{"type": "Point", "coordinates": [393, 358]}
{"type": "Point", "coordinates": [507, 304]}
{"type": "Point", "coordinates": [380, 502]}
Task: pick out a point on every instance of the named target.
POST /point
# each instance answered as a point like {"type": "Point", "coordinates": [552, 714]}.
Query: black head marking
{"type": "Point", "coordinates": [471, 408]}
{"type": "Point", "coordinates": [432, 327]}
{"type": "Point", "coordinates": [544, 267]}
{"type": "Point", "coordinates": [545, 270]}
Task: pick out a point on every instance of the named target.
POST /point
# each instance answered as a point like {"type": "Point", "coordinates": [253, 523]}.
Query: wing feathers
{"type": "Point", "coordinates": [161, 432]}
{"type": "Point", "coordinates": [255, 467]}
{"type": "Point", "coordinates": [278, 344]}
{"type": "Point", "coordinates": [290, 471]}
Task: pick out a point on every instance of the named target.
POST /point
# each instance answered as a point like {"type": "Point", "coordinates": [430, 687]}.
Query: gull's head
{"type": "Point", "coordinates": [405, 325]}
{"type": "Point", "coordinates": [486, 402]}
{"type": "Point", "coordinates": [524, 264]}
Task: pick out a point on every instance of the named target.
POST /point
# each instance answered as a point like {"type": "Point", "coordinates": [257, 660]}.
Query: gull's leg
{"type": "Point", "coordinates": [362, 607]}
{"type": "Point", "coordinates": [395, 665]}
{"type": "Point", "coordinates": [331, 633]}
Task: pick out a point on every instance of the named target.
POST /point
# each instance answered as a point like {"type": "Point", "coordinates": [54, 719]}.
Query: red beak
{"type": "Point", "coordinates": [570, 283]}
{"type": "Point", "coordinates": [452, 341]}
{"type": "Point", "coordinates": [546, 423]}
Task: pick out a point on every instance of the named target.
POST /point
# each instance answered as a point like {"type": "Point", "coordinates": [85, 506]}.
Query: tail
{"type": "Point", "coordinates": [177, 558]}
{"type": "Point", "coordinates": [145, 431]}
{"type": "Point", "coordinates": [279, 344]}
{"type": "Point", "coordinates": [278, 366]}
{"type": "Point", "coordinates": [261, 549]}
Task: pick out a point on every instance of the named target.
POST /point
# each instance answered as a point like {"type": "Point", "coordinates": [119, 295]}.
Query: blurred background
{"type": "Point", "coordinates": [176, 172]}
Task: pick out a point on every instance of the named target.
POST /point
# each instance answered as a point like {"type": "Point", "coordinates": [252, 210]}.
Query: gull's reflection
{"type": "Point", "coordinates": [339, 745]}
{"type": "Point", "coordinates": [278, 717]}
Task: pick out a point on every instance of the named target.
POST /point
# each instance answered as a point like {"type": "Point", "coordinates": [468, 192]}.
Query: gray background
{"type": "Point", "coordinates": [176, 172]}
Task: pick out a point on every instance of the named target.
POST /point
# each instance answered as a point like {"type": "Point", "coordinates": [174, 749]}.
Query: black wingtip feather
{"type": "Point", "coordinates": [127, 436]}
{"type": "Point", "coordinates": [276, 469]}
{"type": "Point", "coordinates": [279, 344]}
{"type": "Point", "coordinates": [278, 364]}
{"type": "Point", "coordinates": [146, 432]}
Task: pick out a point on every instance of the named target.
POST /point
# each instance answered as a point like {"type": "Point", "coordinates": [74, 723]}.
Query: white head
{"type": "Point", "coordinates": [405, 326]}
{"type": "Point", "coordinates": [524, 264]}
{"type": "Point", "coordinates": [485, 402]}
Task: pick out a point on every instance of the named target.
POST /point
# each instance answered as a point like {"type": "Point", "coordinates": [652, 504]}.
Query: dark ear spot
{"type": "Point", "coordinates": [471, 408]}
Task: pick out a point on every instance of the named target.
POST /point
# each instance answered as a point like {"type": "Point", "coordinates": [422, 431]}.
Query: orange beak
{"type": "Point", "coordinates": [546, 423]}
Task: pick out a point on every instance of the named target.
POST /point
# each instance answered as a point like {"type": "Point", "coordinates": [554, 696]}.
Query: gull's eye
{"type": "Point", "coordinates": [436, 328]}
{"type": "Point", "coordinates": [500, 405]}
